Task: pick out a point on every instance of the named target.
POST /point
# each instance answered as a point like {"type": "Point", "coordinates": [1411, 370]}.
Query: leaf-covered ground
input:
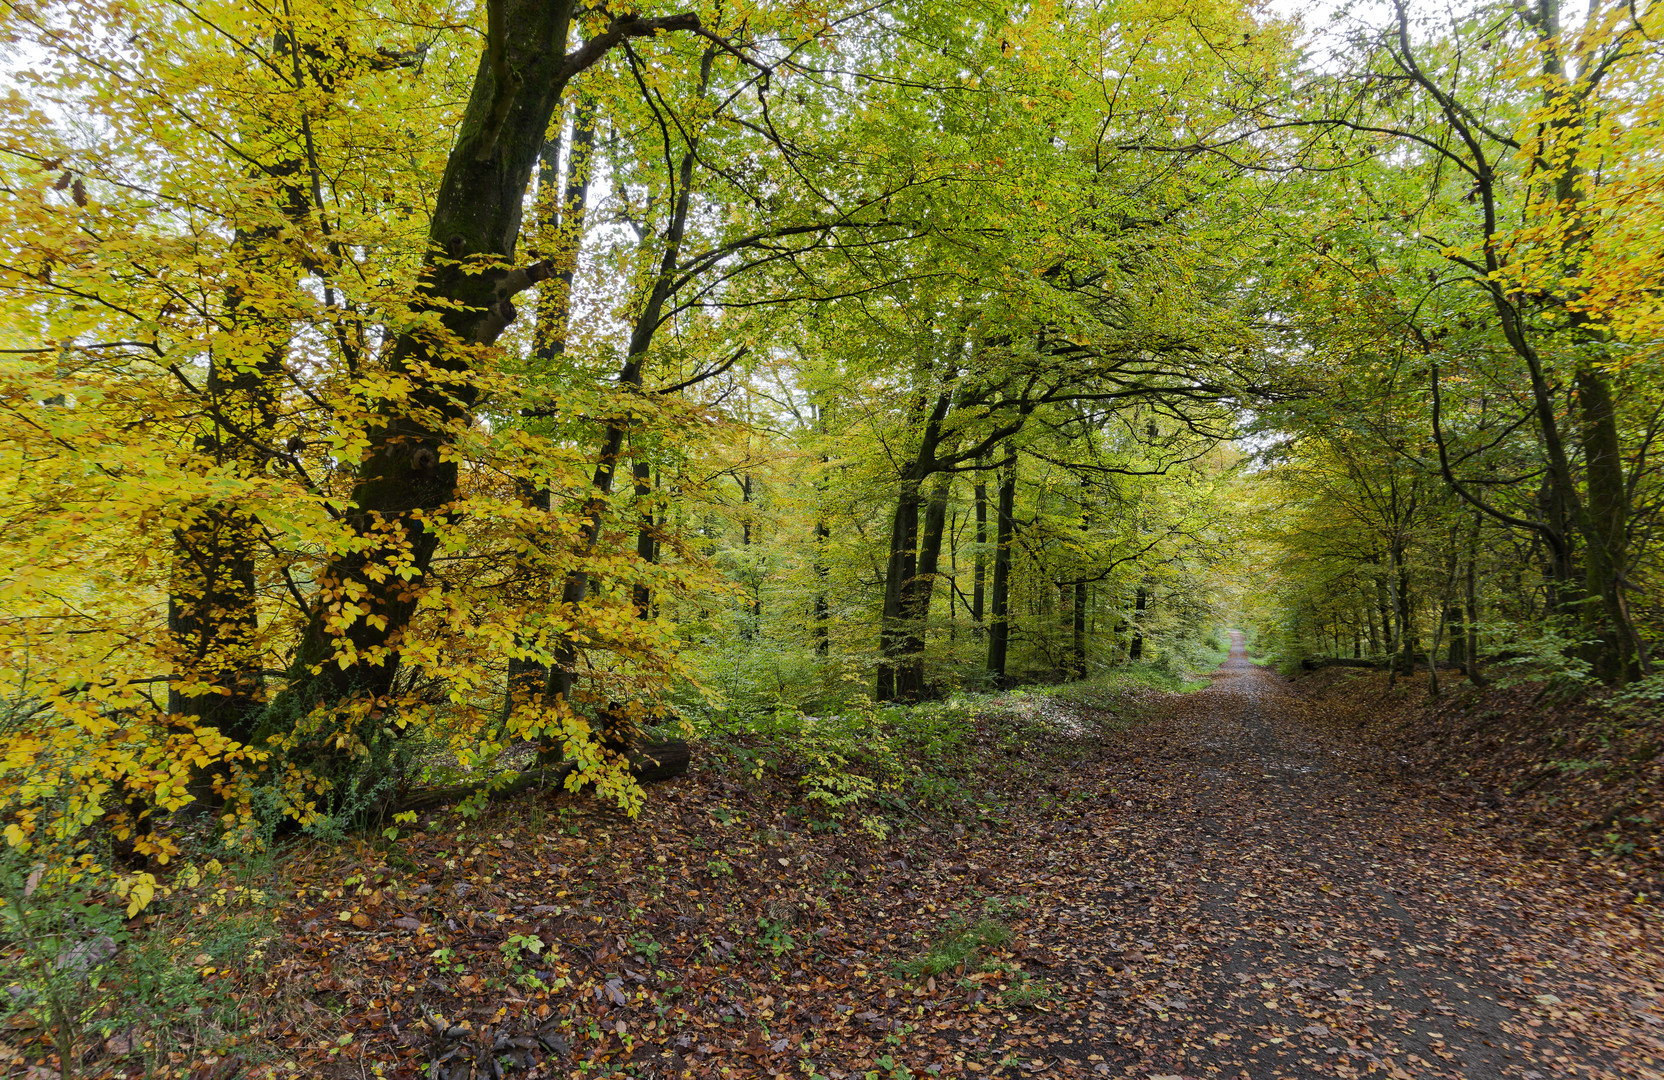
{"type": "Point", "coordinates": [1561, 771]}
{"type": "Point", "coordinates": [1227, 887]}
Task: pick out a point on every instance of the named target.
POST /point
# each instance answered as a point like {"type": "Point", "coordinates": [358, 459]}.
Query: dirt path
{"type": "Point", "coordinates": [1257, 905]}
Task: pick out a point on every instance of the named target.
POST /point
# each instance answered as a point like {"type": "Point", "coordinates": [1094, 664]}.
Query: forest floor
{"type": "Point", "coordinates": [1226, 883]}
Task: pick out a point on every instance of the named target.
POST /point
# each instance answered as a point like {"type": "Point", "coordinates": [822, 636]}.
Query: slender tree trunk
{"type": "Point", "coordinates": [213, 616]}
{"type": "Point", "coordinates": [902, 565]}
{"type": "Point", "coordinates": [823, 540]}
{"type": "Point", "coordinates": [1078, 629]}
{"type": "Point", "coordinates": [954, 593]}
{"type": "Point", "coordinates": [1471, 589]}
{"type": "Point", "coordinates": [647, 536]}
{"type": "Point", "coordinates": [754, 612]}
{"type": "Point", "coordinates": [1397, 635]}
{"type": "Point", "coordinates": [1456, 648]}
{"type": "Point", "coordinates": [563, 676]}
{"type": "Point", "coordinates": [1449, 616]}
{"type": "Point", "coordinates": [563, 220]}
{"type": "Point", "coordinates": [823, 610]}
{"type": "Point", "coordinates": [1406, 620]}
{"type": "Point", "coordinates": [1385, 605]}
{"type": "Point", "coordinates": [999, 625]}
{"type": "Point", "coordinates": [900, 568]}
{"type": "Point", "coordinates": [979, 571]}
{"type": "Point", "coordinates": [1135, 649]}
{"type": "Point", "coordinates": [1606, 617]}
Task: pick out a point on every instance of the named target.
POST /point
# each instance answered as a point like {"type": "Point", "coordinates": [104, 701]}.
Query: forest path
{"type": "Point", "coordinates": [1259, 906]}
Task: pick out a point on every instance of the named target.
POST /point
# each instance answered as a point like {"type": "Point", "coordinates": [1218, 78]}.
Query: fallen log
{"type": "Point", "coordinates": [650, 765]}
{"type": "Point", "coordinates": [1320, 662]}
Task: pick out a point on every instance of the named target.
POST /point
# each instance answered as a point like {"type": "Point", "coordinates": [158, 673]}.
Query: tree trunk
{"type": "Point", "coordinates": [1406, 614]}
{"type": "Point", "coordinates": [1135, 649]}
{"type": "Point", "coordinates": [1079, 630]}
{"type": "Point", "coordinates": [563, 222]}
{"type": "Point", "coordinates": [999, 625]}
{"type": "Point", "coordinates": [916, 596]}
{"type": "Point", "coordinates": [1395, 642]}
{"type": "Point", "coordinates": [1613, 649]}
{"type": "Point", "coordinates": [823, 538]}
{"type": "Point", "coordinates": [1470, 661]}
{"type": "Point", "coordinates": [900, 568]}
{"type": "Point", "coordinates": [1457, 633]}
{"type": "Point", "coordinates": [213, 618]}
{"type": "Point", "coordinates": [647, 536]}
{"type": "Point", "coordinates": [1384, 604]}
{"type": "Point", "coordinates": [823, 611]}
{"type": "Point", "coordinates": [563, 673]}
{"type": "Point", "coordinates": [979, 571]}
{"type": "Point", "coordinates": [406, 478]}
{"type": "Point", "coordinates": [748, 629]}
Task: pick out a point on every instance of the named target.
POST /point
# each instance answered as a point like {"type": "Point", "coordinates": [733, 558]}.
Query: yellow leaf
{"type": "Point", "coordinates": [141, 890]}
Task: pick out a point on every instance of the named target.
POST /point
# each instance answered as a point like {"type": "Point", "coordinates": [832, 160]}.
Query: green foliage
{"type": "Point", "coordinates": [73, 966]}
{"type": "Point", "coordinates": [1025, 991]}
{"type": "Point", "coordinates": [774, 936]}
{"type": "Point", "coordinates": [1643, 698]}
{"type": "Point", "coordinates": [962, 944]}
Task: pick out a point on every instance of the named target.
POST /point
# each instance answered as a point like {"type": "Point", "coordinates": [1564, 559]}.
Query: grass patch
{"type": "Point", "coordinates": [1025, 992]}
{"type": "Point", "coordinates": [963, 945]}
{"type": "Point", "coordinates": [1112, 689]}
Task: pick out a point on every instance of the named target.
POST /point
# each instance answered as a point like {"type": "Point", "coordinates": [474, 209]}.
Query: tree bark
{"type": "Point", "coordinates": [980, 569]}
{"type": "Point", "coordinates": [1614, 648]}
{"type": "Point", "coordinates": [213, 617]}
{"type": "Point", "coordinates": [823, 610]}
{"type": "Point", "coordinates": [1135, 648]}
{"type": "Point", "coordinates": [563, 673]}
{"type": "Point", "coordinates": [999, 623]}
{"type": "Point", "coordinates": [1406, 616]}
{"type": "Point", "coordinates": [1079, 630]}
{"type": "Point", "coordinates": [917, 592]}
{"type": "Point", "coordinates": [901, 567]}
{"type": "Point", "coordinates": [647, 536]}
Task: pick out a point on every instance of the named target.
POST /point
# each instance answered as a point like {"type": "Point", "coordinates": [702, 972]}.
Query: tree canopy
{"type": "Point", "coordinates": [413, 390]}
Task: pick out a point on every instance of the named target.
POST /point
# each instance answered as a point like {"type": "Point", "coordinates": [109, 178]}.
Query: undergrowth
{"type": "Point", "coordinates": [872, 765]}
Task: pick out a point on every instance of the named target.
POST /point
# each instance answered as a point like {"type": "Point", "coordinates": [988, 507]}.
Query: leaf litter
{"type": "Point", "coordinates": [1232, 886]}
